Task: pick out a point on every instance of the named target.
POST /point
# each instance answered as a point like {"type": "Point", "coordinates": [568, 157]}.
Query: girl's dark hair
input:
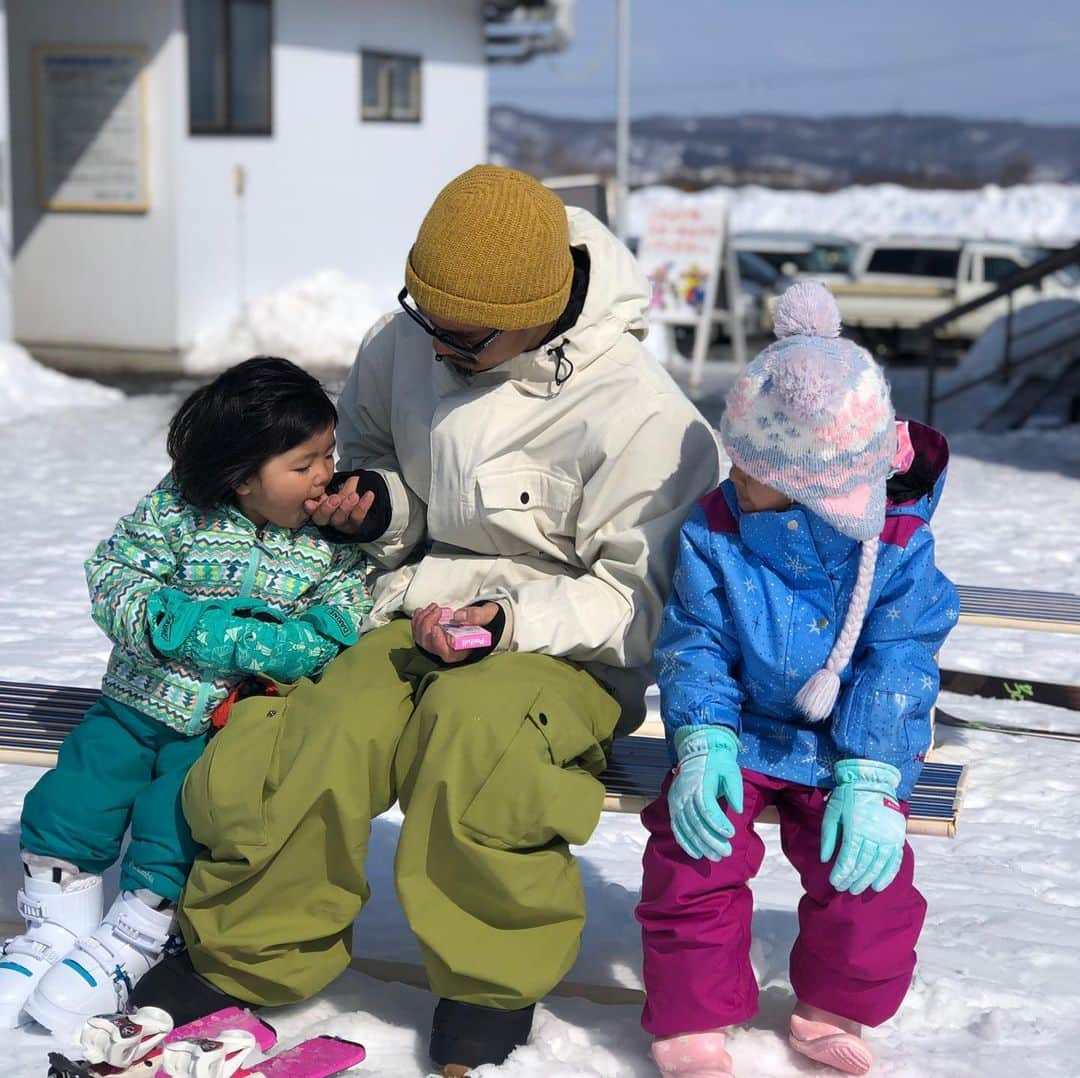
{"type": "Point", "coordinates": [226, 430]}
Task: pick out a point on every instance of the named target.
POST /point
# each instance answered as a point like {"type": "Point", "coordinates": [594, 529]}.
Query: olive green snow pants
{"type": "Point", "coordinates": [494, 765]}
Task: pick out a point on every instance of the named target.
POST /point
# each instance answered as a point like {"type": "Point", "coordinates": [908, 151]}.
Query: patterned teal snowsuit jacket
{"type": "Point", "coordinates": [207, 554]}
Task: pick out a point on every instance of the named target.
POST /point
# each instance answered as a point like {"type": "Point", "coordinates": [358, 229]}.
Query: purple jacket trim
{"type": "Point", "coordinates": [932, 443]}
{"type": "Point", "coordinates": [718, 514]}
{"type": "Point", "coordinates": [898, 530]}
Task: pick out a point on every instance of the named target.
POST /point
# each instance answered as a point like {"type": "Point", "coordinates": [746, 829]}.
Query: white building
{"type": "Point", "coordinates": [172, 159]}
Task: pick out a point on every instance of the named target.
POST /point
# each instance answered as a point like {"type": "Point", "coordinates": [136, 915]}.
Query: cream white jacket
{"type": "Point", "coordinates": [562, 501]}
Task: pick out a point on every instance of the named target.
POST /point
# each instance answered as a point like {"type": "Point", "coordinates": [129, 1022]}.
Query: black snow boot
{"type": "Point", "coordinates": [175, 987]}
{"type": "Point", "coordinates": [464, 1035]}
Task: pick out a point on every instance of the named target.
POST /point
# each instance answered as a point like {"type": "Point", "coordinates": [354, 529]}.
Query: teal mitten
{"type": "Point", "coordinates": [865, 808]}
{"type": "Point", "coordinates": [171, 616]}
{"type": "Point", "coordinates": [205, 632]}
{"type": "Point", "coordinates": [331, 622]}
{"type": "Point", "coordinates": [300, 647]}
{"type": "Point", "coordinates": [708, 771]}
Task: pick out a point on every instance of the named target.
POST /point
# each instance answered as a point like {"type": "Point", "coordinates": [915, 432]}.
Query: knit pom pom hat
{"type": "Point", "coordinates": [493, 251]}
{"type": "Point", "coordinates": [811, 417]}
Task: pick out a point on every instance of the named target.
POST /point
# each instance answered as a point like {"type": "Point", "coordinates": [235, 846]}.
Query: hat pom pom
{"type": "Point", "coordinates": [808, 384]}
{"type": "Point", "coordinates": [806, 309]}
{"type": "Point", "coordinates": [817, 697]}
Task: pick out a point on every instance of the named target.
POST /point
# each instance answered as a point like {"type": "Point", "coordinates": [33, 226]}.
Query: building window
{"type": "Point", "coordinates": [390, 86]}
{"type": "Point", "coordinates": [229, 51]}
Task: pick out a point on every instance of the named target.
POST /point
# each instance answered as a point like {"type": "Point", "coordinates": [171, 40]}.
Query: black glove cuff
{"type": "Point", "coordinates": [378, 516]}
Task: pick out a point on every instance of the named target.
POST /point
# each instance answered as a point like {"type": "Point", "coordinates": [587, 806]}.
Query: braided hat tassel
{"type": "Point", "coordinates": [817, 698]}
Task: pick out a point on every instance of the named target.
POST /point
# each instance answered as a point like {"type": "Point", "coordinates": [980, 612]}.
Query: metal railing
{"type": "Point", "coordinates": [1030, 275]}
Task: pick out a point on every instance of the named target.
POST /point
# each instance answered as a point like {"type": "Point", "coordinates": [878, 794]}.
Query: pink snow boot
{"type": "Point", "coordinates": [693, 1055]}
{"type": "Point", "coordinates": [829, 1039]}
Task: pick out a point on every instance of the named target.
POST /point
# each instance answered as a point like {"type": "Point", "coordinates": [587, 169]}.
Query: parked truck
{"type": "Point", "coordinates": [899, 283]}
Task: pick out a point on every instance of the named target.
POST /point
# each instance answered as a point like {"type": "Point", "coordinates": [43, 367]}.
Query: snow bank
{"type": "Point", "coordinates": [316, 322]}
{"type": "Point", "coordinates": [1047, 213]}
{"type": "Point", "coordinates": [320, 321]}
{"type": "Point", "coordinates": [27, 388]}
{"type": "Point", "coordinates": [1035, 327]}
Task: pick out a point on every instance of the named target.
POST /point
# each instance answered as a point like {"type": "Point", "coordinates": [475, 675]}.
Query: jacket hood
{"type": "Point", "coordinates": [917, 491]}
{"type": "Point", "coordinates": [616, 302]}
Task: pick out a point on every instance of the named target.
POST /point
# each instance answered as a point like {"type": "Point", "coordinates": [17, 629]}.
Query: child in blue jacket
{"type": "Point", "coordinates": [796, 665]}
{"type": "Point", "coordinates": [215, 577]}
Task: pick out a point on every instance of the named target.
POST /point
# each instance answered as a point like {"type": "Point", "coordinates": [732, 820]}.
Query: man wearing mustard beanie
{"type": "Point", "coordinates": [514, 459]}
{"type": "Point", "coordinates": [467, 264]}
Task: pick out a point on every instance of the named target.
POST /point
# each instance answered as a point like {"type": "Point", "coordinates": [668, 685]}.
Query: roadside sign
{"type": "Point", "coordinates": [681, 252]}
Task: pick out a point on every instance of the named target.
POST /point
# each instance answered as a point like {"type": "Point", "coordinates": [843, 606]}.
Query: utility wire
{"type": "Point", "coordinates": [780, 79]}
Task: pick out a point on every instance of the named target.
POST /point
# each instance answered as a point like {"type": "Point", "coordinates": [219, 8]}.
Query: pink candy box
{"type": "Point", "coordinates": [463, 637]}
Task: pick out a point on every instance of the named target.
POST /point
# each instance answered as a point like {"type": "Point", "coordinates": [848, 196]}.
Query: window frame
{"type": "Point", "coordinates": [921, 261]}
{"type": "Point", "coordinates": [227, 129]}
{"type": "Point", "coordinates": [385, 114]}
{"type": "Point", "coordinates": [996, 279]}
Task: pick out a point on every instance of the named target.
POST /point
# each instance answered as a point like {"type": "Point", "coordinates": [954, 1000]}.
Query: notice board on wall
{"type": "Point", "coordinates": [90, 147]}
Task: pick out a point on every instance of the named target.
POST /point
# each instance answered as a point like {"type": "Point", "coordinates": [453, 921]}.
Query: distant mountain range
{"type": "Point", "coordinates": [792, 151]}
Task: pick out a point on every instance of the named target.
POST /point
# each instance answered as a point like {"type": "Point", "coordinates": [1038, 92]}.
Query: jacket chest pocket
{"type": "Point", "coordinates": [534, 507]}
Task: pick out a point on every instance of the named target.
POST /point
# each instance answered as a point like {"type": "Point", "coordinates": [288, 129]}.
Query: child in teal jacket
{"type": "Point", "coordinates": [215, 578]}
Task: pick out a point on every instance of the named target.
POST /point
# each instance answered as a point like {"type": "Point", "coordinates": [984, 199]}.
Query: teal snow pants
{"type": "Point", "coordinates": [117, 768]}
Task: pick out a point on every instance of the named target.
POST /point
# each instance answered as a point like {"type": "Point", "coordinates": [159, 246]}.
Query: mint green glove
{"type": "Point", "coordinates": [205, 632]}
{"type": "Point", "coordinates": [865, 807]}
{"type": "Point", "coordinates": [299, 647]}
{"type": "Point", "coordinates": [708, 771]}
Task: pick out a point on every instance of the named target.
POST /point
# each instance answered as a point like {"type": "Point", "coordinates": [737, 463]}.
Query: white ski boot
{"type": "Point", "coordinates": [59, 904]}
{"type": "Point", "coordinates": [97, 976]}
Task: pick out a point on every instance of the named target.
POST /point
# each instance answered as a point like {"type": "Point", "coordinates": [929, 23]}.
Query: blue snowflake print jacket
{"type": "Point", "coordinates": [758, 600]}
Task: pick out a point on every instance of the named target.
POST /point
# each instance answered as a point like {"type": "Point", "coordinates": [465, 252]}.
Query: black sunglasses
{"type": "Point", "coordinates": [470, 352]}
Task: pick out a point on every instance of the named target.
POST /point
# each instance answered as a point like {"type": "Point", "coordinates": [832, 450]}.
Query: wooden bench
{"type": "Point", "coordinates": [1007, 608]}
{"type": "Point", "coordinates": [35, 719]}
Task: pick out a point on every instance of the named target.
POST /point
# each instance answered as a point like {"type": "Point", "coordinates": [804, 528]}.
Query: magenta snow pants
{"type": "Point", "coordinates": [854, 955]}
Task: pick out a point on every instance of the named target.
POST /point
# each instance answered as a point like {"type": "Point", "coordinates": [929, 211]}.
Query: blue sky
{"type": "Point", "coordinates": [1014, 59]}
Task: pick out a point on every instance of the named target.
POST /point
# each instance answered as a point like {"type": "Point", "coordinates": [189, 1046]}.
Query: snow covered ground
{"type": "Point", "coordinates": [996, 993]}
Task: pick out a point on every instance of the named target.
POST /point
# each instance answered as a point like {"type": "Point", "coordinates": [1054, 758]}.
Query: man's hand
{"type": "Point", "coordinates": [344, 510]}
{"type": "Point", "coordinates": [429, 635]}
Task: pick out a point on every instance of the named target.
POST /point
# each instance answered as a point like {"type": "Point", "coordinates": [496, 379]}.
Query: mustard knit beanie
{"type": "Point", "coordinates": [493, 251]}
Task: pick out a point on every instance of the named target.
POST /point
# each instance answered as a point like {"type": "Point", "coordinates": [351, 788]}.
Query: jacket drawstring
{"type": "Point", "coordinates": [559, 352]}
